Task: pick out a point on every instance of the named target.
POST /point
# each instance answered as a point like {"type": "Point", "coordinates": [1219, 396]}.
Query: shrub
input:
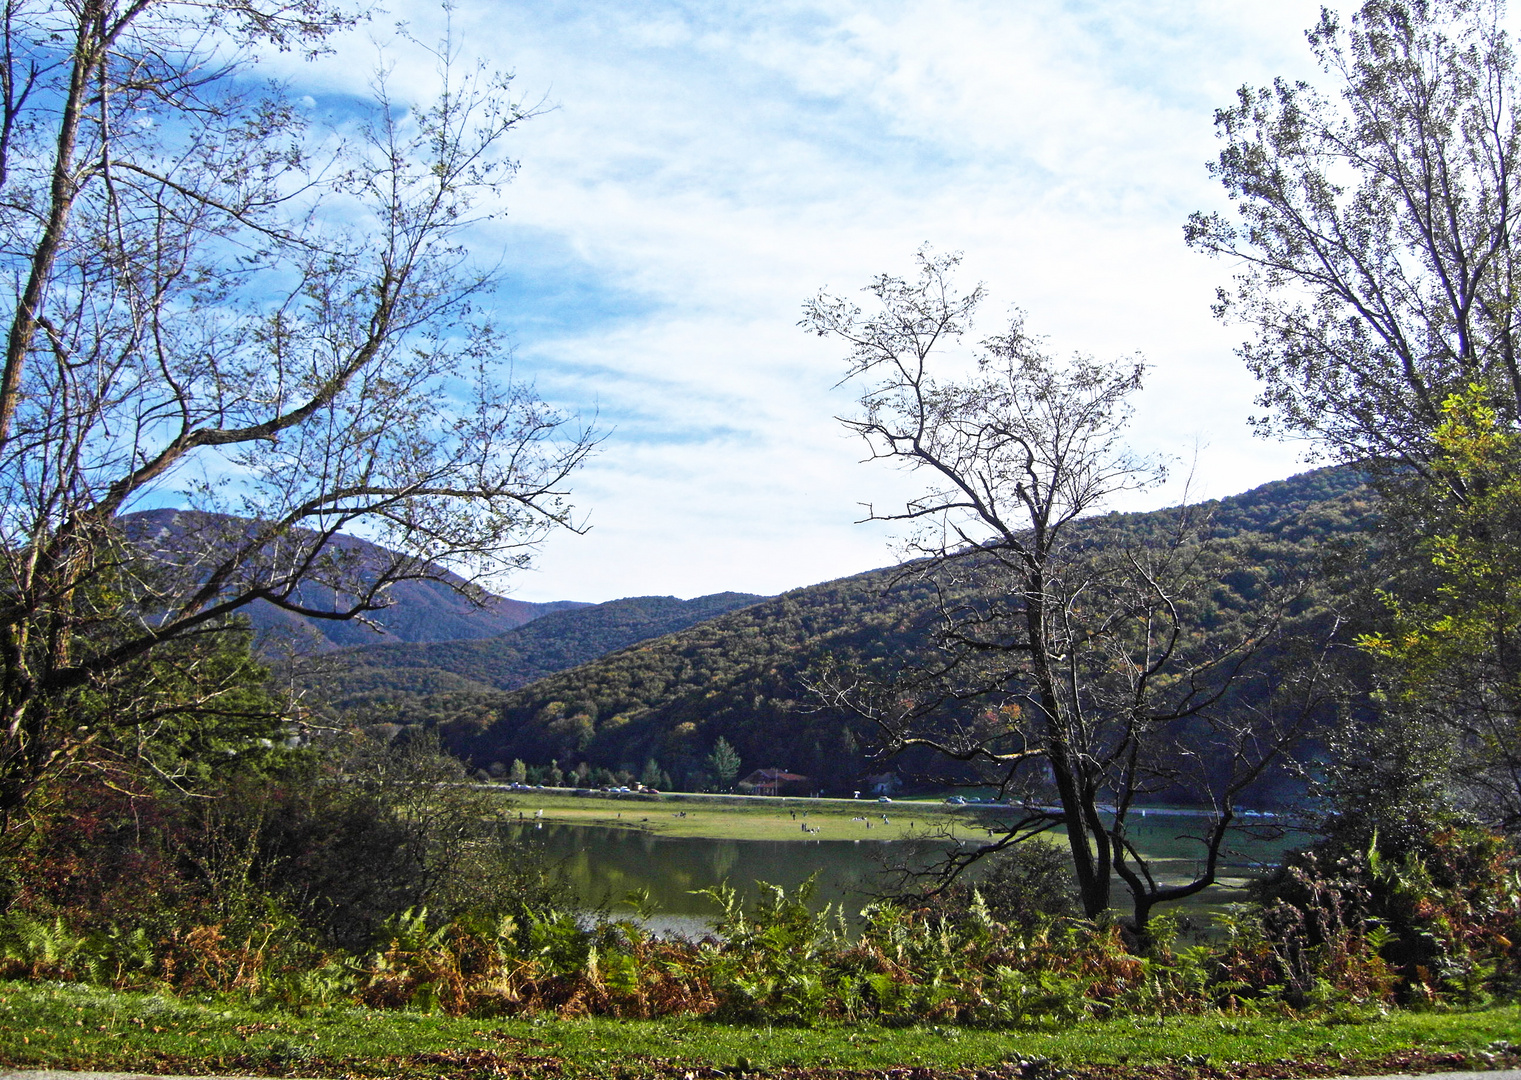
{"type": "Point", "coordinates": [1022, 886]}
{"type": "Point", "coordinates": [1437, 921]}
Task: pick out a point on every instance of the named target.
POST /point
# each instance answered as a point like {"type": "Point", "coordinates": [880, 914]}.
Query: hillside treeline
{"type": "Point", "coordinates": [430, 683]}
{"type": "Point", "coordinates": [743, 676]}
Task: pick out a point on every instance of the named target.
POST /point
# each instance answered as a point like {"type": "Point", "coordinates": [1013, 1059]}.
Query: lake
{"type": "Point", "coordinates": [601, 865]}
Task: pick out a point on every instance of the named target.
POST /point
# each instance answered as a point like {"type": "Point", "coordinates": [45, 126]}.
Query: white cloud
{"type": "Point", "coordinates": [710, 166]}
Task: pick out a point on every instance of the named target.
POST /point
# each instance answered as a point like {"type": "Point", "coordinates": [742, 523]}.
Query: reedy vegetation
{"type": "Point", "coordinates": [783, 963]}
{"type": "Point", "coordinates": [370, 873]}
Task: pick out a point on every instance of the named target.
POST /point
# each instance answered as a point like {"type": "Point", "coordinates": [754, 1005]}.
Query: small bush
{"type": "Point", "coordinates": [1022, 886]}
{"type": "Point", "coordinates": [1439, 920]}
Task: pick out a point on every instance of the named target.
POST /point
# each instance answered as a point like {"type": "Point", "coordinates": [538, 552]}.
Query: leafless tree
{"type": "Point", "coordinates": [284, 324]}
{"type": "Point", "coordinates": [1068, 658]}
{"type": "Point", "coordinates": [1373, 233]}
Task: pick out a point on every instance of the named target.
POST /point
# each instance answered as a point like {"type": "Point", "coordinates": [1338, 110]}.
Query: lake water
{"type": "Point", "coordinates": [601, 865]}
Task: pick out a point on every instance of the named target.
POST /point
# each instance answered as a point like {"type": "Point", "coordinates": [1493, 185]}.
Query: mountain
{"type": "Point", "coordinates": [741, 675]}
{"type": "Point", "coordinates": [416, 681]}
{"type": "Point", "coordinates": [423, 610]}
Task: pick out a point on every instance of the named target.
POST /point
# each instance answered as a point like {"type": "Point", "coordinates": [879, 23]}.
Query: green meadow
{"type": "Point", "coordinates": [65, 1026]}
{"type": "Point", "coordinates": [721, 817]}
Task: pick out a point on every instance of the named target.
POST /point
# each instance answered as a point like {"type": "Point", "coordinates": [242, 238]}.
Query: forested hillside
{"type": "Point", "coordinates": [420, 610]}
{"type": "Point", "coordinates": [441, 680]}
{"type": "Point", "coordinates": [740, 676]}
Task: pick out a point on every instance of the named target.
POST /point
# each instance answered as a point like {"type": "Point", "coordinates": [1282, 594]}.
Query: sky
{"type": "Point", "coordinates": [701, 169]}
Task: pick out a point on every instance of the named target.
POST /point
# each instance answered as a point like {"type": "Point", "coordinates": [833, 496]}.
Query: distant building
{"type": "Point", "coordinates": [883, 783]}
{"type": "Point", "coordinates": [772, 782]}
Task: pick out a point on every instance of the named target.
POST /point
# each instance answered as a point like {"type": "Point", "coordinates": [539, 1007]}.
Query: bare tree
{"type": "Point", "coordinates": [1374, 228]}
{"type": "Point", "coordinates": [1068, 660]}
{"type": "Point", "coordinates": [282, 323]}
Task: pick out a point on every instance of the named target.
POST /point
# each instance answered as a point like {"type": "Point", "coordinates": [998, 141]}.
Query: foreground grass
{"type": "Point", "coordinates": [67, 1026]}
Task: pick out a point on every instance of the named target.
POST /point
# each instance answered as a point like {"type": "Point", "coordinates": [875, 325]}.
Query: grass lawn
{"type": "Point", "coordinates": [739, 818]}
{"type": "Point", "coordinates": [64, 1026]}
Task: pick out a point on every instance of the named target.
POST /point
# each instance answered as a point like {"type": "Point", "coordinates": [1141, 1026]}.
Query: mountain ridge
{"type": "Point", "coordinates": [741, 675]}
{"type": "Point", "coordinates": [474, 674]}
{"type": "Point", "coordinates": [421, 610]}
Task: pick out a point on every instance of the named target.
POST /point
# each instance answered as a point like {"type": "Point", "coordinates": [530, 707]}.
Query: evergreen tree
{"type": "Point", "coordinates": [723, 764]}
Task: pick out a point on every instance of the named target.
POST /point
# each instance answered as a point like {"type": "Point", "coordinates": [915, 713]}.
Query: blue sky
{"type": "Point", "coordinates": [706, 167]}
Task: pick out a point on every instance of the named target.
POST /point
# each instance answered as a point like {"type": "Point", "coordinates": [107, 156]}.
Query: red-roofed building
{"type": "Point", "coordinates": [773, 782]}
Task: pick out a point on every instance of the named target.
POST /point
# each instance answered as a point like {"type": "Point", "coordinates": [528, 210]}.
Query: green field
{"type": "Point", "coordinates": [729, 817]}
{"type": "Point", "coordinates": [65, 1026]}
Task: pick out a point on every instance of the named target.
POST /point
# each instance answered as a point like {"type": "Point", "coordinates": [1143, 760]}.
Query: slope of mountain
{"type": "Point", "coordinates": [425, 610]}
{"type": "Point", "coordinates": [741, 675]}
{"type": "Point", "coordinates": [383, 677]}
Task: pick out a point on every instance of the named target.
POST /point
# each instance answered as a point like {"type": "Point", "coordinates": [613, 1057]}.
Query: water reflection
{"type": "Point", "coordinates": [724, 857]}
{"type": "Point", "coordinates": [601, 865]}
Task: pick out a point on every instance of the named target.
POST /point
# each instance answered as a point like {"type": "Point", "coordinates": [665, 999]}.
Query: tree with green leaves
{"type": "Point", "coordinates": [1373, 227]}
{"type": "Point", "coordinates": [1373, 233]}
{"type": "Point", "coordinates": [1455, 641]}
{"type": "Point", "coordinates": [723, 764]}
